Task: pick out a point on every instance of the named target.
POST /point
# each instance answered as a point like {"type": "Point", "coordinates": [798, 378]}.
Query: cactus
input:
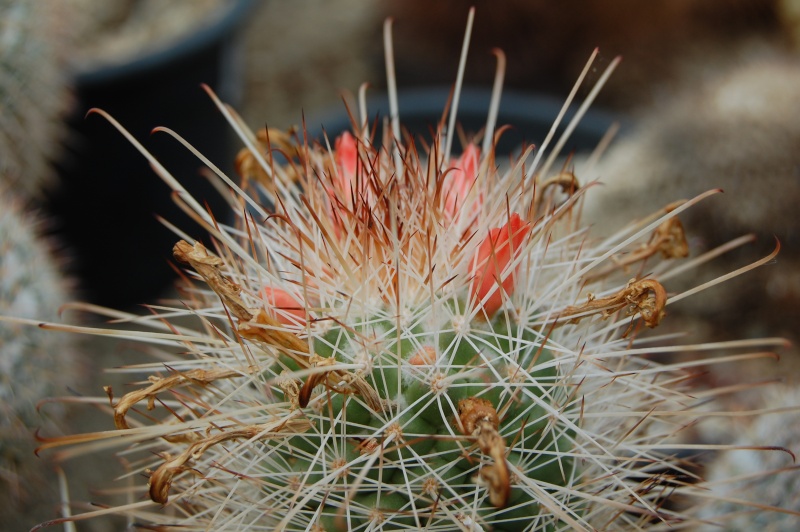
{"type": "Point", "coordinates": [778, 425]}
{"type": "Point", "coordinates": [116, 32]}
{"type": "Point", "coordinates": [34, 89]}
{"type": "Point", "coordinates": [31, 286]}
{"type": "Point", "coordinates": [35, 364]}
{"type": "Point", "coordinates": [394, 338]}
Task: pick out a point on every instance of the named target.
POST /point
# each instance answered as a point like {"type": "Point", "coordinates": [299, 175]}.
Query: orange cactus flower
{"type": "Point", "coordinates": [459, 180]}
{"type": "Point", "coordinates": [283, 307]}
{"type": "Point", "coordinates": [489, 266]}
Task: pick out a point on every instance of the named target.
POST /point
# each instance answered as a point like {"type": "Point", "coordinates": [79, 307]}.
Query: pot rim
{"type": "Point", "coordinates": [205, 37]}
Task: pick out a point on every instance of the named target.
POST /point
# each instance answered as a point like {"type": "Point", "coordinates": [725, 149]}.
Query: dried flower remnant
{"type": "Point", "coordinates": [248, 163]}
{"type": "Point", "coordinates": [161, 478]}
{"type": "Point", "coordinates": [566, 181]}
{"type": "Point", "coordinates": [199, 377]}
{"type": "Point", "coordinates": [668, 239]}
{"type": "Point", "coordinates": [478, 418]}
{"type": "Point", "coordinates": [646, 297]}
{"type": "Point", "coordinates": [442, 379]}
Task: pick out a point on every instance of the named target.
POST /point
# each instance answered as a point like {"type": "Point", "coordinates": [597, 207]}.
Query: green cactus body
{"type": "Point", "coordinates": [431, 460]}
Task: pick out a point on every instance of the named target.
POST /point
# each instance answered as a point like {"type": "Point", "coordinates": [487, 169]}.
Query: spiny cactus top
{"type": "Point", "coordinates": [391, 337]}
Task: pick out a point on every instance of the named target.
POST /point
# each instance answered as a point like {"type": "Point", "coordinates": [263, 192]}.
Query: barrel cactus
{"type": "Point", "coordinates": [34, 364]}
{"type": "Point", "coordinates": [394, 337]}
{"type": "Point", "coordinates": [777, 425]}
{"type": "Point", "coordinates": [35, 38]}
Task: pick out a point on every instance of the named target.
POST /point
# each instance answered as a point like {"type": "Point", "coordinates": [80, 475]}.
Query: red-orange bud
{"type": "Point", "coordinates": [496, 252]}
{"type": "Point", "coordinates": [346, 154]}
{"type": "Point", "coordinates": [424, 357]}
{"type": "Point", "coordinates": [460, 179]}
{"type": "Point", "coordinates": [283, 307]}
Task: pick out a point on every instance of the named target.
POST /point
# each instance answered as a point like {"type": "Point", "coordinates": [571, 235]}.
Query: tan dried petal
{"type": "Point", "coordinates": [478, 418]}
{"type": "Point", "coordinates": [161, 479]}
{"type": "Point", "coordinates": [198, 377]}
{"type": "Point", "coordinates": [646, 296]}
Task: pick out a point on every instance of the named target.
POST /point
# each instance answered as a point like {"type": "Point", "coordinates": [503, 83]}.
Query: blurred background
{"type": "Point", "coordinates": [708, 92]}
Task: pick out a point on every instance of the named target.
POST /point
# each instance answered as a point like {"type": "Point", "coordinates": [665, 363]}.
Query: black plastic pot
{"type": "Point", "coordinates": [105, 206]}
{"type": "Point", "coordinates": [530, 117]}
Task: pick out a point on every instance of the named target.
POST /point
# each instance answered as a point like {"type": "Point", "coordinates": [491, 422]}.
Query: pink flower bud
{"type": "Point", "coordinates": [340, 191]}
{"type": "Point", "coordinates": [346, 154]}
{"type": "Point", "coordinates": [489, 267]}
{"type": "Point", "coordinates": [459, 180]}
{"type": "Point", "coordinates": [283, 307]}
{"type": "Point", "coordinates": [424, 357]}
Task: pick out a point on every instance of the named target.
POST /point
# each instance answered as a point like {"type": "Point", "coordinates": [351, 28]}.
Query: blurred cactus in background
{"type": "Point", "coordinates": [34, 90]}
{"type": "Point", "coordinates": [778, 425]}
{"type": "Point", "coordinates": [34, 364]}
{"type": "Point", "coordinates": [35, 94]}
